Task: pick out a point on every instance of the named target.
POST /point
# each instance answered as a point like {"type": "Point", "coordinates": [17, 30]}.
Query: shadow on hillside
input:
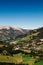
{"type": "Point", "coordinates": [11, 64]}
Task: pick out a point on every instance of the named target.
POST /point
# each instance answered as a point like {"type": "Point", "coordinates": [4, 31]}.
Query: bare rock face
{"type": "Point", "coordinates": [7, 32]}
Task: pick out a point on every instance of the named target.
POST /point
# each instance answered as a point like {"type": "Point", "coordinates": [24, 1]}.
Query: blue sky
{"type": "Point", "coordinates": [21, 13]}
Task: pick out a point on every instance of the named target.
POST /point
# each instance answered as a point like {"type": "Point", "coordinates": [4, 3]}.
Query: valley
{"type": "Point", "coordinates": [20, 46]}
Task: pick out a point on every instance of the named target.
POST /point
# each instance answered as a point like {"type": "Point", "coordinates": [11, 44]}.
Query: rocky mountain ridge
{"type": "Point", "coordinates": [7, 32]}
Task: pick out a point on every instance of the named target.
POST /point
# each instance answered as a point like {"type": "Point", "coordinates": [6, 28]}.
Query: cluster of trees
{"type": "Point", "coordinates": [6, 49]}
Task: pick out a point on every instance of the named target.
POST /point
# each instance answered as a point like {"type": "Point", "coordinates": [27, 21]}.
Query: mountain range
{"type": "Point", "coordinates": [8, 32]}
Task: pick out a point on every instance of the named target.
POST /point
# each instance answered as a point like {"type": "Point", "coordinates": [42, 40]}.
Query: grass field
{"type": "Point", "coordinates": [1, 45]}
{"type": "Point", "coordinates": [39, 63]}
{"type": "Point", "coordinates": [18, 58]}
{"type": "Point", "coordinates": [11, 59]}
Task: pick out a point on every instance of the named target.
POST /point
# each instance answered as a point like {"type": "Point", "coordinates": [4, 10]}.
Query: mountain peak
{"type": "Point", "coordinates": [4, 27]}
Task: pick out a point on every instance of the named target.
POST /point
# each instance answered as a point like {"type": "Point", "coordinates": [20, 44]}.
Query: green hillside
{"type": "Point", "coordinates": [25, 49]}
